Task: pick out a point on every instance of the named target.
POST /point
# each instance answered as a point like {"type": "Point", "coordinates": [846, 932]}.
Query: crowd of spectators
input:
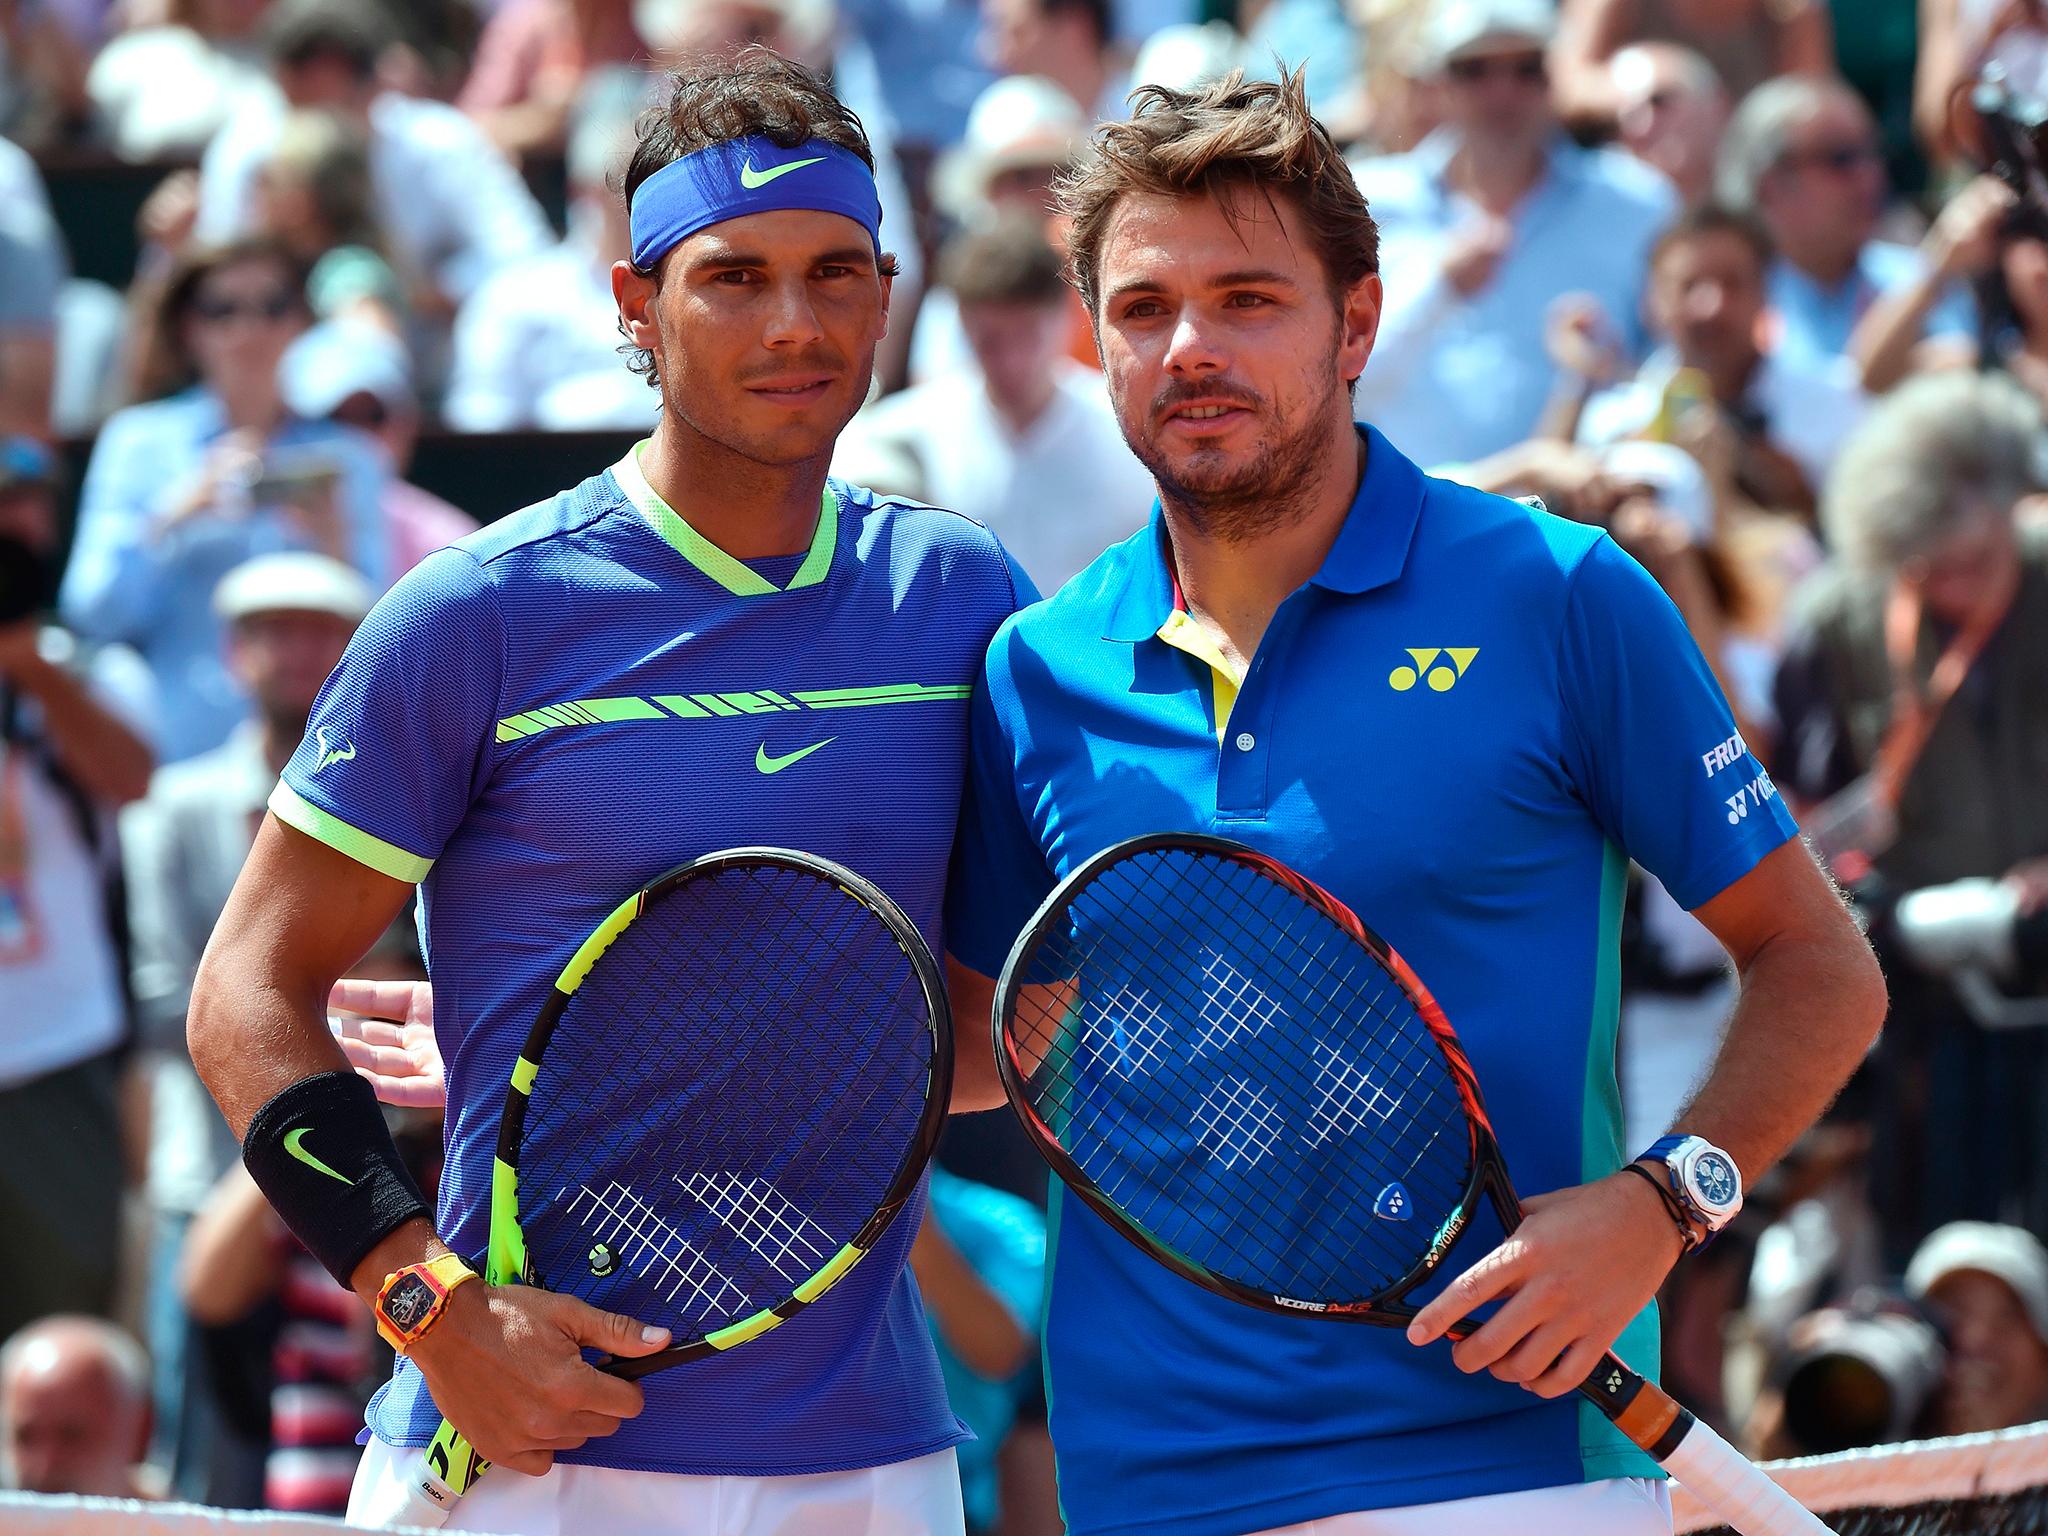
{"type": "Point", "coordinates": [1731, 278]}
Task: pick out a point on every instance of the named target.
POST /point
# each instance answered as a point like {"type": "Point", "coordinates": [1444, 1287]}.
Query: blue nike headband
{"type": "Point", "coordinates": [743, 176]}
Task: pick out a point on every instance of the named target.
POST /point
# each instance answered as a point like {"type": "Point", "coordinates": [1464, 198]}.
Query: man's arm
{"type": "Point", "coordinates": [92, 743]}
{"type": "Point", "coordinates": [503, 1363]}
{"type": "Point", "coordinates": [1588, 1259]}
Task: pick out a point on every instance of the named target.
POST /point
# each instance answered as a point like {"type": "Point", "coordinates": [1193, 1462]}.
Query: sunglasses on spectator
{"type": "Point", "coordinates": [363, 411]}
{"type": "Point", "coordinates": [1836, 159]}
{"type": "Point", "coordinates": [271, 306]}
{"type": "Point", "coordinates": [1523, 68]}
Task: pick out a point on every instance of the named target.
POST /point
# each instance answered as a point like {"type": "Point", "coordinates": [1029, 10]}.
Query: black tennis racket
{"type": "Point", "coordinates": [733, 1087]}
{"type": "Point", "coordinates": [1241, 1078]}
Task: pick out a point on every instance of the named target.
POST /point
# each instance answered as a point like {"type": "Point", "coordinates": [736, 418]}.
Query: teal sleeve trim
{"type": "Point", "coordinates": [299, 813]}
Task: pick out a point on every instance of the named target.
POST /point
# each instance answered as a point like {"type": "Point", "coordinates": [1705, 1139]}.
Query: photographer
{"type": "Point", "coordinates": [70, 753]}
{"type": "Point", "coordinates": [1913, 708]}
{"type": "Point", "coordinates": [182, 490]}
{"type": "Point", "coordinates": [1988, 1287]}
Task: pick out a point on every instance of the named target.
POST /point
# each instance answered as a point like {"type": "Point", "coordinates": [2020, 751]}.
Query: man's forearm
{"type": "Point", "coordinates": [1808, 1011]}
{"type": "Point", "coordinates": [95, 746]}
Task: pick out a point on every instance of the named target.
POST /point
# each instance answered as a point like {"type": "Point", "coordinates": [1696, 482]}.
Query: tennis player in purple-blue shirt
{"type": "Point", "coordinates": [710, 643]}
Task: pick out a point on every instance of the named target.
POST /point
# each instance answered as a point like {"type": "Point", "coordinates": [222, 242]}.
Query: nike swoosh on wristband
{"type": "Point", "coordinates": [291, 1145]}
{"type": "Point", "coordinates": [769, 764]}
{"type": "Point", "coordinates": [751, 178]}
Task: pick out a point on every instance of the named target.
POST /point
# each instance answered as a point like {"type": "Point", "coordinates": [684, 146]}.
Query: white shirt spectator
{"type": "Point", "coordinates": [1057, 496]}
{"type": "Point", "coordinates": [63, 1004]}
{"type": "Point", "coordinates": [1454, 378]}
{"type": "Point", "coordinates": [451, 205]}
{"type": "Point", "coordinates": [1808, 409]}
{"type": "Point", "coordinates": [537, 346]}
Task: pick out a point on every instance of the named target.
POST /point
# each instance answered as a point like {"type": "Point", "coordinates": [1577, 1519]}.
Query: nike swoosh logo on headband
{"type": "Point", "coordinates": [751, 178]}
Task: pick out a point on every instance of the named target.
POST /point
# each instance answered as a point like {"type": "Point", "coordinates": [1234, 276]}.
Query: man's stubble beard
{"type": "Point", "coordinates": [1252, 499]}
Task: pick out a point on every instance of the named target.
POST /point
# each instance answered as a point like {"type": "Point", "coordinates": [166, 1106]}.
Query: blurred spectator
{"type": "Point", "coordinates": [452, 207]}
{"type": "Point", "coordinates": [1670, 112]}
{"type": "Point", "coordinates": [1959, 39]}
{"type": "Point", "coordinates": [927, 65]}
{"type": "Point", "coordinates": [1482, 226]}
{"type": "Point", "coordinates": [74, 1403]}
{"type": "Point", "coordinates": [176, 74]}
{"type": "Point", "coordinates": [311, 1383]}
{"type": "Point", "coordinates": [1746, 42]}
{"type": "Point", "coordinates": [288, 618]}
{"type": "Point", "coordinates": [42, 76]}
{"type": "Point", "coordinates": [315, 197]}
{"type": "Point", "coordinates": [1069, 42]}
{"type": "Point", "coordinates": [979, 1260]}
{"type": "Point", "coordinates": [533, 60]}
{"type": "Point", "coordinates": [182, 490]}
{"type": "Point", "coordinates": [73, 722]}
{"type": "Point", "coordinates": [1027, 443]}
{"type": "Point", "coordinates": [1024, 131]}
{"type": "Point", "coordinates": [2014, 296]}
{"type": "Point", "coordinates": [537, 345]}
{"type": "Point", "coordinates": [357, 375]}
{"type": "Point", "coordinates": [32, 268]}
{"type": "Point", "coordinates": [1964, 242]}
{"type": "Point", "coordinates": [1989, 1286]}
{"type": "Point", "coordinates": [1781, 422]}
{"type": "Point", "coordinates": [1802, 156]}
{"type": "Point", "coordinates": [1913, 703]}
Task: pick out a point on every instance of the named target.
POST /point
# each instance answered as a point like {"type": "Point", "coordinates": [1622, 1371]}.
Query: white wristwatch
{"type": "Point", "coordinates": [1702, 1176]}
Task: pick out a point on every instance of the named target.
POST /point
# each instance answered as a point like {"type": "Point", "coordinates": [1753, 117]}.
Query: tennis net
{"type": "Point", "coordinates": [1972, 1485]}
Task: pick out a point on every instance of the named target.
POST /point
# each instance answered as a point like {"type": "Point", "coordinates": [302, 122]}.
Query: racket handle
{"type": "Point", "coordinates": [1737, 1489]}
{"type": "Point", "coordinates": [447, 1469]}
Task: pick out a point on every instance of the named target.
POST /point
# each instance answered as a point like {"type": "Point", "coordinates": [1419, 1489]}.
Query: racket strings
{"type": "Point", "coordinates": [1222, 1061]}
{"type": "Point", "coordinates": [726, 1099]}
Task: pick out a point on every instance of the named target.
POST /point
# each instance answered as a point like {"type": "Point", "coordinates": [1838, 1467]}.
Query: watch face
{"type": "Point", "coordinates": [1714, 1178]}
{"type": "Point", "coordinates": [407, 1303]}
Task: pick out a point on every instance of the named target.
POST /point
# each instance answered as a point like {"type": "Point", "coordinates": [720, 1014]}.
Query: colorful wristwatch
{"type": "Point", "coordinates": [1704, 1178]}
{"type": "Point", "coordinates": [412, 1299]}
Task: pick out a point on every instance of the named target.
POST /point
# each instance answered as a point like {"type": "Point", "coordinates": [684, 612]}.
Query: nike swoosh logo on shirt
{"type": "Point", "coordinates": [769, 764]}
{"type": "Point", "coordinates": [291, 1145]}
{"type": "Point", "coordinates": [751, 178]}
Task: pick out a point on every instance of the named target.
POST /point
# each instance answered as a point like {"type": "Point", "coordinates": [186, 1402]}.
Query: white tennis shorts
{"type": "Point", "coordinates": [906, 1498]}
{"type": "Point", "coordinates": [1615, 1506]}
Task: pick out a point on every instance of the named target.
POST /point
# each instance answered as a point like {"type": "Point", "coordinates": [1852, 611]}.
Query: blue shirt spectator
{"type": "Point", "coordinates": [1483, 226]}
{"type": "Point", "coordinates": [182, 490]}
{"type": "Point", "coordinates": [1815, 319]}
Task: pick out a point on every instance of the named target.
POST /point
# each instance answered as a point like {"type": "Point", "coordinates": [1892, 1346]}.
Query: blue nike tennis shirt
{"type": "Point", "coordinates": [1465, 726]}
{"type": "Point", "coordinates": [539, 720]}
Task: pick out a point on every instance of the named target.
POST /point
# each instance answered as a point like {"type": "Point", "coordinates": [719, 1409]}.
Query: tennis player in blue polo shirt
{"type": "Point", "coordinates": [708, 644]}
{"type": "Point", "coordinates": [1464, 717]}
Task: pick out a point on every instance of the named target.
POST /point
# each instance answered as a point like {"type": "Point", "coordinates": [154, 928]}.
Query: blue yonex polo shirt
{"type": "Point", "coordinates": [539, 720]}
{"type": "Point", "coordinates": [1465, 726]}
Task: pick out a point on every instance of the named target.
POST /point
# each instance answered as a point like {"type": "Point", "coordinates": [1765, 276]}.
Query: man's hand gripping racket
{"type": "Point", "coordinates": [733, 1087]}
{"type": "Point", "coordinates": [1246, 1082]}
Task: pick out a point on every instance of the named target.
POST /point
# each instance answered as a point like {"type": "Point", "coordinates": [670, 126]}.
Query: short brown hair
{"type": "Point", "coordinates": [1007, 260]}
{"type": "Point", "coordinates": [1715, 219]}
{"type": "Point", "coordinates": [1231, 134]}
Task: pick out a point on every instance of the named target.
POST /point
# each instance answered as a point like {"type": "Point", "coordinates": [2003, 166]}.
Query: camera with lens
{"type": "Point", "coordinates": [2013, 122]}
{"type": "Point", "coordinates": [1973, 934]}
{"type": "Point", "coordinates": [1859, 1374]}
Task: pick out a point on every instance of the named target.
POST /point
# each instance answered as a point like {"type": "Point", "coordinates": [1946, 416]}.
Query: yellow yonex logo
{"type": "Point", "coordinates": [751, 178]}
{"type": "Point", "coordinates": [1441, 676]}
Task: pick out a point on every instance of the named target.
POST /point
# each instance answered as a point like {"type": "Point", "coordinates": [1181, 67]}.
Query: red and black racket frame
{"type": "Point", "coordinates": [1642, 1411]}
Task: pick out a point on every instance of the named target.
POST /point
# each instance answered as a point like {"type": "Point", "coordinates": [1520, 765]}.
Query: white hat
{"type": "Point", "coordinates": [1187, 54]}
{"type": "Point", "coordinates": [2011, 1254]}
{"type": "Point", "coordinates": [1020, 120]}
{"type": "Point", "coordinates": [340, 358]}
{"type": "Point", "coordinates": [1458, 28]}
{"type": "Point", "coordinates": [298, 582]}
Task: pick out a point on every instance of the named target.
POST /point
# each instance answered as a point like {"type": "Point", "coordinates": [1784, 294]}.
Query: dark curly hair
{"type": "Point", "coordinates": [758, 94]}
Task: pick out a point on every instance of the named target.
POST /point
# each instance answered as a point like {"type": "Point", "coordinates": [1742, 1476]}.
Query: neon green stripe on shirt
{"type": "Point", "coordinates": [294, 810]}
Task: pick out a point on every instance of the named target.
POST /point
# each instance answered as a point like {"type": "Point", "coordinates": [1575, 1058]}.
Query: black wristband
{"type": "Point", "coordinates": [1687, 1237]}
{"type": "Point", "coordinates": [322, 1156]}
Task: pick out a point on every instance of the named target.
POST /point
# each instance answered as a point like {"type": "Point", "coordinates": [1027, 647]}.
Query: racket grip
{"type": "Point", "coordinates": [1736, 1488]}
